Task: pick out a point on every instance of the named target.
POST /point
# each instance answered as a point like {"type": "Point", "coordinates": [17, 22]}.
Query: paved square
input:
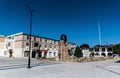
{"type": "Point", "coordinates": [17, 68]}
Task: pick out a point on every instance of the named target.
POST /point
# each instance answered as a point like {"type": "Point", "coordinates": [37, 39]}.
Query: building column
{"type": "Point", "coordinates": [106, 53]}
{"type": "Point", "coordinates": [47, 55]}
{"type": "Point", "coordinates": [36, 56]}
{"type": "Point", "coordinates": [100, 53]}
{"type": "Point", "coordinates": [42, 54]}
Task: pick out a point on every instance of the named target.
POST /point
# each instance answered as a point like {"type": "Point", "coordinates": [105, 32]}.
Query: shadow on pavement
{"type": "Point", "coordinates": [108, 70]}
{"type": "Point", "coordinates": [117, 61]}
{"type": "Point", "coordinates": [44, 64]}
{"type": "Point", "coordinates": [4, 67]}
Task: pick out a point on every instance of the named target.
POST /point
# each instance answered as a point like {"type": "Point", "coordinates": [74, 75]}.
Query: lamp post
{"type": "Point", "coordinates": [31, 13]}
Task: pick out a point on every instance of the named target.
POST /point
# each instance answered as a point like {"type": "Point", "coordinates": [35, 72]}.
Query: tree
{"type": "Point", "coordinates": [84, 46]}
{"type": "Point", "coordinates": [78, 52]}
{"type": "Point", "coordinates": [116, 49]}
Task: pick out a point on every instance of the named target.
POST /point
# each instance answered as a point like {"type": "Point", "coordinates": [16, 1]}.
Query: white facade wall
{"type": "Point", "coordinates": [2, 52]}
{"type": "Point", "coordinates": [52, 53]}
{"type": "Point", "coordinates": [86, 53]}
{"type": "Point", "coordinates": [18, 52]}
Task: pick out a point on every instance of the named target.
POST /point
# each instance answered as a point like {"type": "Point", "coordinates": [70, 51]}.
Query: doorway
{"type": "Point", "coordinates": [33, 54]}
{"type": "Point", "coordinates": [10, 53]}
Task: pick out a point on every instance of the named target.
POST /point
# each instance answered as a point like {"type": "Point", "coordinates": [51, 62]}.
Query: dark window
{"type": "Point", "coordinates": [45, 40]}
{"type": "Point", "coordinates": [91, 49]}
{"type": "Point", "coordinates": [103, 49]}
{"type": "Point", "coordinates": [54, 53]}
{"type": "Point", "coordinates": [27, 44]}
{"type": "Point", "coordinates": [40, 45]}
{"type": "Point", "coordinates": [35, 44]}
{"type": "Point", "coordinates": [109, 49]}
{"type": "Point", "coordinates": [45, 45]}
{"type": "Point", "coordinates": [27, 37]}
{"type": "Point", "coordinates": [97, 49]}
{"type": "Point", "coordinates": [9, 37]}
{"type": "Point", "coordinates": [34, 38]}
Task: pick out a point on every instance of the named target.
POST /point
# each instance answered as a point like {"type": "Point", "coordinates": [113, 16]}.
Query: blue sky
{"type": "Point", "coordinates": [78, 19]}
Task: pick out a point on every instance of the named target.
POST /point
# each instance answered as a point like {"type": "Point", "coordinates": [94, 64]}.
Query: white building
{"type": "Point", "coordinates": [17, 45]}
{"type": "Point", "coordinates": [86, 52]}
{"type": "Point", "coordinates": [106, 50]}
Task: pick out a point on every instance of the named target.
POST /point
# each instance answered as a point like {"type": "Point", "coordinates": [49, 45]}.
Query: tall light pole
{"type": "Point", "coordinates": [99, 31]}
{"type": "Point", "coordinates": [31, 13]}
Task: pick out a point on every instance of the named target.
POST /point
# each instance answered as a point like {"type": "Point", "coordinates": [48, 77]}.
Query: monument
{"type": "Point", "coordinates": [63, 50]}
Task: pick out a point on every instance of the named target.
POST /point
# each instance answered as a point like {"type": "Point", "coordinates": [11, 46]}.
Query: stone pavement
{"type": "Point", "coordinates": [13, 63]}
{"type": "Point", "coordinates": [99, 69]}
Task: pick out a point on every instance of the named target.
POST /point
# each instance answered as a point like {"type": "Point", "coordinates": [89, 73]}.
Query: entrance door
{"type": "Point", "coordinates": [39, 54]}
{"type": "Point", "coordinates": [33, 54]}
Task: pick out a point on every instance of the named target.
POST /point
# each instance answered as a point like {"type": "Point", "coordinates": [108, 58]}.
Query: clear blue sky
{"type": "Point", "coordinates": [78, 19]}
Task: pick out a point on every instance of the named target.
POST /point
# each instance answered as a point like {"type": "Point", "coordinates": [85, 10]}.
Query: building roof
{"type": "Point", "coordinates": [103, 46]}
{"type": "Point", "coordinates": [22, 33]}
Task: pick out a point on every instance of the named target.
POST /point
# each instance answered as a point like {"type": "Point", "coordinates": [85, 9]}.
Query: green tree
{"type": "Point", "coordinates": [116, 49]}
{"type": "Point", "coordinates": [84, 46]}
{"type": "Point", "coordinates": [78, 52]}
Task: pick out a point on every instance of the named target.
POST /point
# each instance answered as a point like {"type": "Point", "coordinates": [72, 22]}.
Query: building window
{"type": "Point", "coordinates": [96, 49]}
{"type": "Point", "coordinates": [45, 46]}
{"type": "Point", "coordinates": [109, 49]}
{"type": "Point", "coordinates": [34, 38]}
{"type": "Point", "coordinates": [40, 45]}
{"type": "Point", "coordinates": [27, 37]}
{"type": "Point", "coordinates": [27, 44]}
{"type": "Point", "coordinates": [54, 53]}
{"type": "Point", "coordinates": [103, 49]}
{"type": "Point", "coordinates": [45, 40]}
{"type": "Point", "coordinates": [9, 37]}
{"type": "Point", "coordinates": [35, 44]}
{"type": "Point", "coordinates": [9, 44]}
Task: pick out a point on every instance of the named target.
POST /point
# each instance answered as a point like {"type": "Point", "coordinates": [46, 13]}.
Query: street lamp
{"type": "Point", "coordinates": [31, 13]}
